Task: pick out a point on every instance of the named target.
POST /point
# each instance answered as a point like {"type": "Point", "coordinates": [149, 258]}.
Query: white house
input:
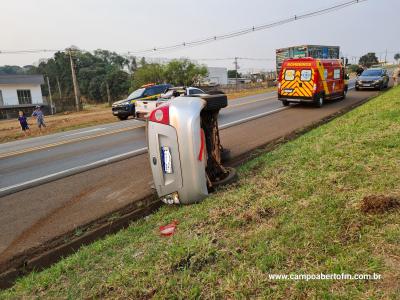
{"type": "Point", "coordinates": [16, 90]}
{"type": "Point", "coordinates": [217, 75]}
{"type": "Point", "coordinates": [19, 92]}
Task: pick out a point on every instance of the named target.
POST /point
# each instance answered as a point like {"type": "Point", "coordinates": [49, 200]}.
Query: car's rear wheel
{"type": "Point", "coordinates": [319, 102]}
{"type": "Point", "coordinates": [285, 103]}
{"type": "Point", "coordinates": [123, 118]}
{"type": "Point", "coordinates": [344, 94]}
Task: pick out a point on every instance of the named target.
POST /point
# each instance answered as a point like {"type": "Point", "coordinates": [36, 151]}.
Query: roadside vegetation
{"type": "Point", "coordinates": [327, 202]}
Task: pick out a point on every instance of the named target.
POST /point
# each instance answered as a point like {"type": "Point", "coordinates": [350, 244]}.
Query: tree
{"type": "Point", "coordinates": [232, 74]}
{"type": "Point", "coordinates": [184, 72]}
{"type": "Point", "coordinates": [148, 73]}
{"type": "Point", "coordinates": [368, 60]}
{"type": "Point", "coordinates": [397, 57]}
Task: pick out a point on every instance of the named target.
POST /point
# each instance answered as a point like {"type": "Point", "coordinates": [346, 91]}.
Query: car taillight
{"type": "Point", "coordinates": [314, 87]}
{"type": "Point", "coordinates": [160, 114]}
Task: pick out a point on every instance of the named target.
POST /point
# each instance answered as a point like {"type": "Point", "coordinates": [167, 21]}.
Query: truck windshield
{"type": "Point", "coordinates": [136, 94]}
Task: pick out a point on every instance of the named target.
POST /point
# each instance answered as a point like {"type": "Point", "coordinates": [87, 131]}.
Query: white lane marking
{"type": "Point", "coordinates": [237, 122]}
{"type": "Point", "coordinates": [82, 132]}
{"type": "Point", "coordinates": [51, 177]}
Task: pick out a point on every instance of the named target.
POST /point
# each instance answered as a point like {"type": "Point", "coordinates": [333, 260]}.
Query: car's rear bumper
{"type": "Point", "coordinates": [295, 98]}
{"type": "Point", "coordinates": [122, 111]}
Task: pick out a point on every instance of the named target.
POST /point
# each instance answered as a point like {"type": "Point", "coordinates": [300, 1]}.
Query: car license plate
{"type": "Point", "coordinates": [366, 84]}
{"type": "Point", "coordinates": [115, 113]}
{"type": "Point", "coordinates": [166, 160]}
{"type": "Point", "coordinates": [288, 90]}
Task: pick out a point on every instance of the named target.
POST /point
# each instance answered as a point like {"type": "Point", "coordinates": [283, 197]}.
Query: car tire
{"type": "Point", "coordinates": [215, 102]}
{"type": "Point", "coordinates": [344, 94]}
{"type": "Point", "coordinates": [225, 155]}
{"type": "Point", "coordinates": [285, 103]}
{"type": "Point", "coordinates": [123, 118]}
{"type": "Point", "coordinates": [357, 88]}
{"type": "Point", "coordinates": [319, 102]}
{"type": "Point", "coordinates": [232, 177]}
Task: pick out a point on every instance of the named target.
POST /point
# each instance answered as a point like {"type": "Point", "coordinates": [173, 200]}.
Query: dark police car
{"type": "Point", "coordinates": [125, 108]}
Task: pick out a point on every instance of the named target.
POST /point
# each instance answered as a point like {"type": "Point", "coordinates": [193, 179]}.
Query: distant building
{"type": "Point", "coordinates": [239, 80]}
{"type": "Point", "coordinates": [217, 76]}
{"type": "Point", "coordinates": [19, 92]}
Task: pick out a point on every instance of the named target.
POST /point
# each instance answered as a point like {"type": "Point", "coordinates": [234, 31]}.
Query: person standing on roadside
{"type": "Point", "coordinates": [396, 75]}
{"type": "Point", "coordinates": [359, 70]}
{"type": "Point", "coordinates": [23, 122]}
{"type": "Point", "coordinates": [39, 118]}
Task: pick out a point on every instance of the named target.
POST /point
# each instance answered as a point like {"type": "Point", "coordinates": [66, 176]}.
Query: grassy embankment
{"type": "Point", "coordinates": [302, 208]}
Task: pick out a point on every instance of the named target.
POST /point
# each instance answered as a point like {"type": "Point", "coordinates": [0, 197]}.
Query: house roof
{"type": "Point", "coordinates": [21, 79]}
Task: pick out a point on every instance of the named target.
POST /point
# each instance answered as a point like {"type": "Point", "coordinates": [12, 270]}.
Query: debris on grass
{"type": "Point", "coordinates": [379, 204]}
{"type": "Point", "coordinates": [169, 229]}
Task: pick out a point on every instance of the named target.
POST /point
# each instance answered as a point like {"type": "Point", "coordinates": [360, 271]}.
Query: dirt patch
{"type": "Point", "coordinates": [378, 204]}
{"type": "Point", "coordinates": [10, 130]}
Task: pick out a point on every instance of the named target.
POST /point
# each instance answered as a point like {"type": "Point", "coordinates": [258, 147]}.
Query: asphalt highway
{"type": "Point", "coordinates": [24, 161]}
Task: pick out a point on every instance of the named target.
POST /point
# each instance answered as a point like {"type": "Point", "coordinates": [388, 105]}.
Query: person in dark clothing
{"type": "Point", "coordinates": [359, 71]}
{"type": "Point", "coordinates": [23, 122]}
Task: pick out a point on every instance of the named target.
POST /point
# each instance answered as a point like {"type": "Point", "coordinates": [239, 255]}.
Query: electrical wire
{"type": "Point", "coordinates": [214, 38]}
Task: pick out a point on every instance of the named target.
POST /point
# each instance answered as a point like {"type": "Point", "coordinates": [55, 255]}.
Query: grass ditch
{"type": "Point", "coordinates": [326, 202]}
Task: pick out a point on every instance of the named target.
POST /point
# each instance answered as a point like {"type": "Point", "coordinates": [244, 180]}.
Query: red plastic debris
{"type": "Point", "coordinates": [169, 229]}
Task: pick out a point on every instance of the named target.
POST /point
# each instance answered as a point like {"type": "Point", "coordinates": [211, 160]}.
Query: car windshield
{"type": "Point", "coordinates": [372, 73]}
{"type": "Point", "coordinates": [136, 94]}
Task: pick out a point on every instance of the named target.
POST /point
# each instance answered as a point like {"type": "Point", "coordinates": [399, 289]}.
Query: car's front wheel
{"type": "Point", "coordinates": [122, 118]}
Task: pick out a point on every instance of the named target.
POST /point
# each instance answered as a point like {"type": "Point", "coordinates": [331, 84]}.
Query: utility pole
{"type": "Point", "coordinates": [385, 57]}
{"type": "Point", "coordinates": [59, 88]}
{"type": "Point", "coordinates": [108, 94]}
{"type": "Point", "coordinates": [51, 98]}
{"type": "Point", "coordinates": [75, 83]}
{"type": "Point", "coordinates": [236, 71]}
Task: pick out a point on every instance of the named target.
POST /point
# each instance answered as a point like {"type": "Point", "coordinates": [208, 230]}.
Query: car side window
{"type": "Point", "coordinates": [195, 92]}
{"type": "Point", "coordinates": [151, 91]}
{"type": "Point", "coordinates": [336, 74]}
{"type": "Point", "coordinates": [160, 89]}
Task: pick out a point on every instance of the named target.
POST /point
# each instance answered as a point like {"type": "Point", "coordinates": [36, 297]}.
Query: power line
{"type": "Point", "coordinates": [214, 38]}
{"type": "Point", "coordinates": [247, 30]}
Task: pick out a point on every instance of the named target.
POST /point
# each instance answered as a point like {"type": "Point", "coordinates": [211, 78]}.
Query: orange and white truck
{"type": "Point", "coordinates": [312, 80]}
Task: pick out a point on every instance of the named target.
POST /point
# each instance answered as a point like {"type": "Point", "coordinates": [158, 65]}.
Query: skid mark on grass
{"type": "Point", "coordinates": [376, 204]}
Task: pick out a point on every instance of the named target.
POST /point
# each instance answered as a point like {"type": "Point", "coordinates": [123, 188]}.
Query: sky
{"type": "Point", "coordinates": [129, 25]}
